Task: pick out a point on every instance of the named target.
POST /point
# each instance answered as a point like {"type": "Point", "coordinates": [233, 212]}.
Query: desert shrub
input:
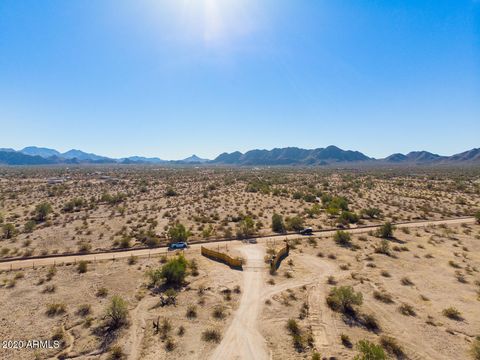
{"type": "Point", "coordinates": [385, 273]}
{"type": "Point", "coordinates": [348, 217]}
{"type": "Point", "coordinates": [343, 299]}
{"type": "Point", "coordinates": [297, 336]}
{"type": "Point", "coordinates": [170, 344]}
{"type": "Point", "coordinates": [293, 327]}
{"type": "Point", "coordinates": [452, 313]}
{"type": "Point", "coordinates": [84, 310]}
{"type": "Point", "coordinates": [84, 247]}
{"type": "Point", "coordinates": [125, 242]}
{"type": "Point", "coordinates": [372, 212]}
{"type": "Point", "coordinates": [132, 260]}
{"type": "Point", "coordinates": [476, 349]}
{"type": "Point", "coordinates": [170, 192]}
{"type": "Point", "coordinates": [52, 270]}
{"type": "Point", "coordinates": [82, 267]}
{"type": "Point", "coordinates": [383, 297]}
{"type": "Point", "coordinates": [278, 225]}
{"type": "Point", "coordinates": [211, 335]}
{"type": "Point", "coordinates": [74, 205]}
{"type": "Point", "coordinates": [407, 310]}
{"type": "Point", "coordinates": [164, 328]}
{"type": "Point", "coordinates": [342, 238]}
{"type": "Point", "coordinates": [386, 230]}
{"type": "Point", "coordinates": [345, 339]}
{"type": "Point", "coordinates": [55, 309]}
{"type": "Point", "coordinates": [370, 322]}
{"type": "Point", "coordinates": [191, 312]}
{"type": "Point", "coordinates": [383, 247]}
{"type": "Point", "coordinates": [294, 223]}
{"type": "Point", "coordinates": [218, 312]}
{"type": "Point", "coordinates": [116, 353]}
{"type": "Point", "coordinates": [181, 330]}
{"type": "Point", "coordinates": [369, 351]}
{"type": "Point", "coordinates": [49, 288]}
{"type": "Point", "coordinates": [29, 226]}
{"type": "Point", "coordinates": [114, 199]}
{"type": "Point", "coordinates": [334, 205]}
{"type": "Point", "coordinates": [42, 211]}
{"type": "Point", "coordinates": [406, 281]}
{"type": "Point", "coordinates": [173, 272]}
{"type": "Point", "coordinates": [102, 292]}
{"type": "Point", "coordinates": [178, 232]}
{"type": "Point", "coordinates": [392, 347]}
{"type": "Point", "coordinates": [477, 216]}
{"type": "Point", "coordinates": [116, 314]}
{"type": "Point", "coordinates": [194, 267]}
{"type": "Point", "coordinates": [316, 356]}
{"type": "Point", "coordinates": [331, 280]}
{"type": "Point", "coordinates": [9, 231]}
{"type": "Point", "coordinates": [246, 227]}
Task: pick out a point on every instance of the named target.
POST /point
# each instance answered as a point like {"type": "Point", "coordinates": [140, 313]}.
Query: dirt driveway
{"type": "Point", "coordinates": [242, 339]}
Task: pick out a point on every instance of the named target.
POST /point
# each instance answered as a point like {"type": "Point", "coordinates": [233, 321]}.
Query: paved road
{"type": "Point", "coordinates": [25, 263]}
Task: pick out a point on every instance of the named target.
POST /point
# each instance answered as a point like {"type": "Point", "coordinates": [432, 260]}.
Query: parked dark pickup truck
{"type": "Point", "coordinates": [306, 231]}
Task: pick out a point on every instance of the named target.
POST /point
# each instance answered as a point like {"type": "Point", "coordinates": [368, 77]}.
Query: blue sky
{"type": "Point", "coordinates": [170, 78]}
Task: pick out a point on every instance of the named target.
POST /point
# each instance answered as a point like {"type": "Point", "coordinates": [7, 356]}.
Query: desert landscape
{"type": "Point", "coordinates": [239, 180]}
{"type": "Point", "coordinates": [391, 268]}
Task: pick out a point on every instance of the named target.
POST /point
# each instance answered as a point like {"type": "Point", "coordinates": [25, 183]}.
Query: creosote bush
{"type": "Point", "coordinates": [392, 347]}
{"type": "Point", "coordinates": [476, 349]}
{"type": "Point", "coordinates": [116, 353]}
{"type": "Point", "coordinates": [211, 335]}
{"type": "Point", "coordinates": [386, 230]}
{"type": "Point", "coordinates": [342, 238]}
{"type": "Point", "coordinates": [452, 313]}
{"type": "Point", "coordinates": [82, 267]}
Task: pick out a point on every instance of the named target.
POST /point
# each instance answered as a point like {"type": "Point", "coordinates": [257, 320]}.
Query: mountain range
{"type": "Point", "coordinates": [290, 156]}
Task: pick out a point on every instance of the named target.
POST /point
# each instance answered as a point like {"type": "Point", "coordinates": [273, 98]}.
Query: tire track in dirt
{"type": "Point", "coordinates": [138, 327]}
{"type": "Point", "coordinates": [324, 329]}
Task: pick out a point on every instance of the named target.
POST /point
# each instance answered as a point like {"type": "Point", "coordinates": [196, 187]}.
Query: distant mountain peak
{"type": "Point", "coordinates": [81, 155]}
{"type": "Point", "coordinates": [292, 156]}
{"type": "Point", "coordinates": [194, 159]}
{"type": "Point", "coordinates": [39, 151]}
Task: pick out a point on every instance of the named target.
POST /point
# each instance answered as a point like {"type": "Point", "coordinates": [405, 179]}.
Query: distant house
{"type": "Point", "coordinates": [53, 181]}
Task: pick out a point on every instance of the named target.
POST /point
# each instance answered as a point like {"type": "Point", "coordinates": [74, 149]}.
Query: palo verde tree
{"type": "Point", "coordinates": [278, 225]}
{"type": "Point", "coordinates": [178, 232]}
{"type": "Point", "coordinates": [294, 223]}
{"type": "Point", "coordinates": [116, 314]}
{"type": "Point", "coordinates": [172, 273]}
{"type": "Point", "coordinates": [246, 227]}
{"type": "Point", "coordinates": [42, 211]}
{"type": "Point", "coordinates": [9, 231]}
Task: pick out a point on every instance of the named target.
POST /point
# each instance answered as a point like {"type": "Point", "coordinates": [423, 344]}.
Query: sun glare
{"type": "Point", "coordinates": [217, 22]}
